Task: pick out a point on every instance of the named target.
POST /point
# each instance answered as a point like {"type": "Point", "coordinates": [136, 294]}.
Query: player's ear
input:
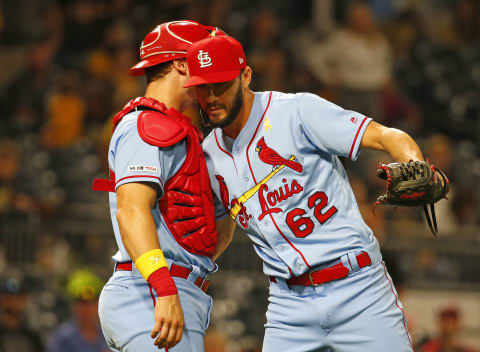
{"type": "Point", "coordinates": [246, 77]}
{"type": "Point", "coordinates": [181, 66]}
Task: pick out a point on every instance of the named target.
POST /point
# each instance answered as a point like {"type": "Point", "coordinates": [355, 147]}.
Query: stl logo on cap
{"type": "Point", "coordinates": [204, 59]}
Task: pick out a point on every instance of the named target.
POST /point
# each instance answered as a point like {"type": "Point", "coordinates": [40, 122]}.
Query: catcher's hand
{"type": "Point", "coordinates": [411, 184]}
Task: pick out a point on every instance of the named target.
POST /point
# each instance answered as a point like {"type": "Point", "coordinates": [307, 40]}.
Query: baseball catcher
{"type": "Point", "coordinates": [412, 184]}
{"type": "Point", "coordinates": [162, 208]}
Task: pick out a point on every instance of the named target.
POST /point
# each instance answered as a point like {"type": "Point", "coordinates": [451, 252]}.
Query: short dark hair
{"type": "Point", "coordinates": [157, 71]}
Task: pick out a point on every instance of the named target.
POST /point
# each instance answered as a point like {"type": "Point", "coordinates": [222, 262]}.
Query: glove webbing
{"type": "Point", "coordinates": [412, 173]}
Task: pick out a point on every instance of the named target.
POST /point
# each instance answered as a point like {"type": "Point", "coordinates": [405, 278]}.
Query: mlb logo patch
{"type": "Point", "coordinates": [142, 168]}
{"type": "Point", "coordinates": [354, 120]}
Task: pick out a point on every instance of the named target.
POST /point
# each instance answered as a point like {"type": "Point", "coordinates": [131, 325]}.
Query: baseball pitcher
{"type": "Point", "coordinates": [273, 161]}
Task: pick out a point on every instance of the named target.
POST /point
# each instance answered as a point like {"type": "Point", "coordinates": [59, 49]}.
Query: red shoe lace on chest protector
{"type": "Point", "coordinates": [187, 202]}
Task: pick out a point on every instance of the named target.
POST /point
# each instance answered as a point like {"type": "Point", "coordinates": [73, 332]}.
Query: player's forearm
{"type": "Point", "coordinates": [138, 231]}
{"type": "Point", "coordinates": [225, 228]}
{"type": "Point", "coordinates": [400, 146]}
{"type": "Point", "coordinates": [139, 237]}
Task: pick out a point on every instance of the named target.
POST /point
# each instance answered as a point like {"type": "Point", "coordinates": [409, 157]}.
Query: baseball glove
{"type": "Point", "coordinates": [412, 184]}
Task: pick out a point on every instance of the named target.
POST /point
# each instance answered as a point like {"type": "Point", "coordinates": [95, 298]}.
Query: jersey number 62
{"type": "Point", "coordinates": [302, 226]}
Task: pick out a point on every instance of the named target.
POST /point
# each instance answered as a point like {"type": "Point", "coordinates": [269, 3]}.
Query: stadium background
{"type": "Point", "coordinates": [64, 74]}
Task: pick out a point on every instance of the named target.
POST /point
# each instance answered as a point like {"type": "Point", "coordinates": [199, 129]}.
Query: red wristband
{"type": "Point", "coordinates": [162, 282]}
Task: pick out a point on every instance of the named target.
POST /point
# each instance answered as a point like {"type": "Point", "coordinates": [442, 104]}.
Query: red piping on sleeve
{"type": "Point", "coordinates": [355, 139]}
{"type": "Point", "coordinates": [147, 176]}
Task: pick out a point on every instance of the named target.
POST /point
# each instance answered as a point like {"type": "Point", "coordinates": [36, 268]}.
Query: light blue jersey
{"type": "Point", "coordinates": [126, 304]}
{"type": "Point", "coordinates": [282, 181]}
{"type": "Point", "coordinates": [300, 210]}
{"type": "Point", "coordinates": [134, 160]}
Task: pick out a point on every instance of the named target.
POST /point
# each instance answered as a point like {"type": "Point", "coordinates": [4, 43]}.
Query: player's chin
{"type": "Point", "coordinates": [217, 117]}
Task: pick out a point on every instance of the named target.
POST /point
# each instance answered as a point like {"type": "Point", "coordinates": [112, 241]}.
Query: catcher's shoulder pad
{"type": "Point", "coordinates": [161, 129]}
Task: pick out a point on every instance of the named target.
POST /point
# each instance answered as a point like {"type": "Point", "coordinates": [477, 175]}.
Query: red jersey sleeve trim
{"type": "Point", "coordinates": [356, 136]}
{"type": "Point", "coordinates": [139, 176]}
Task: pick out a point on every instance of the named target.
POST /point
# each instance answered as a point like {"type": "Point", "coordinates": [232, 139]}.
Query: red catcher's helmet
{"type": "Point", "coordinates": [169, 41]}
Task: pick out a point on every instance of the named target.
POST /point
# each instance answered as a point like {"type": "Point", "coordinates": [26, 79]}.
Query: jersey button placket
{"type": "Point", "coordinates": [282, 248]}
{"type": "Point", "coordinates": [299, 266]}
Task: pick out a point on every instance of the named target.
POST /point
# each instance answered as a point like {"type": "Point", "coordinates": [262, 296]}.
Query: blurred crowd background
{"type": "Point", "coordinates": [410, 64]}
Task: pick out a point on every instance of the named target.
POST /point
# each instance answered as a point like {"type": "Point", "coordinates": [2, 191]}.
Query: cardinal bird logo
{"type": "Point", "coordinates": [270, 156]}
{"type": "Point", "coordinates": [223, 192]}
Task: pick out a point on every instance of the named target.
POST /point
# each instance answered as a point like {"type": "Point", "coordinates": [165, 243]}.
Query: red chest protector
{"type": "Point", "coordinates": [187, 202]}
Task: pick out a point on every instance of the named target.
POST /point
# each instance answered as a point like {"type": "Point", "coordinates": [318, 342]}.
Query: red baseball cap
{"type": "Point", "coordinates": [169, 41]}
{"type": "Point", "coordinates": [215, 59]}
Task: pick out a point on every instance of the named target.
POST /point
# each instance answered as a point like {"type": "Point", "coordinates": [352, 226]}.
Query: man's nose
{"type": "Point", "coordinates": [211, 94]}
{"type": "Point", "coordinates": [210, 91]}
